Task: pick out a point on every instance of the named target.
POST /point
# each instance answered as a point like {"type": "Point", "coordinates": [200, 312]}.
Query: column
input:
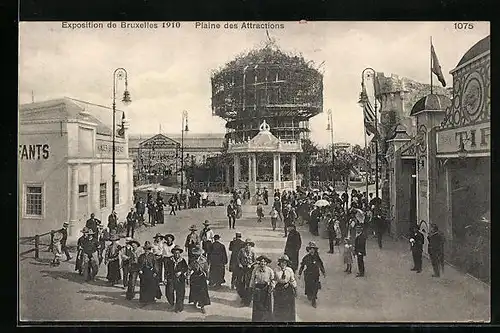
{"type": "Point", "coordinates": [250, 169]}
{"type": "Point", "coordinates": [254, 167]}
{"type": "Point", "coordinates": [94, 190]}
{"type": "Point", "coordinates": [73, 206]}
{"type": "Point", "coordinates": [293, 170]}
{"type": "Point", "coordinates": [228, 178]}
{"type": "Point", "coordinates": [236, 170]}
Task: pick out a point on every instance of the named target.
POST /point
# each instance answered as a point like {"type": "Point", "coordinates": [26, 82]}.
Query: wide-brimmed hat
{"type": "Point", "coordinates": [177, 248]}
{"type": "Point", "coordinates": [197, 251]}
{"type": "Point", "coordinates": [158, 235]}
{"type": "Point", "coordinates": [284, 258]}
{"type": "Point", "coordinates": [263, 257]}
{"type": "Point", "coordinates": [249, 241]}
{"type": "Point", "coordinates": [193, 227]}
{"type": "Point", "coordinates": [238, 234]}
{"type": "Point", "coordinates": [147, 245]}
{"type": "Point", "coordinates": [65, 224]}
{"type": "Point", "coordinates": [114, 237]}
{"type": "Point", "coordinates": [311, 245]}
{"type": "Point", "coordinates": [206, 222]}
{"type": "Point", "coordinates": [216, 237]}
{"type": "Point", "coordinates": [133, 241]}
{"type": "Point", "coordinates": [169, 236]}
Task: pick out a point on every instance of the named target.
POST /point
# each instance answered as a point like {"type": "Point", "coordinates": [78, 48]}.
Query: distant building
{"type": "Point", "coordinates": [160, 154]}
{"type": "Point", "coordinates": [65, 166]}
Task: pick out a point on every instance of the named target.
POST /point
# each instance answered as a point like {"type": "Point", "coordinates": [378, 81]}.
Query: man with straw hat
{"type": "Point", "coordinates": [149, 276]}
{"type": "Point", "coordinates": [192, 242]}
{"type": "Point", "coordinates": [64, 239]}
{"type": "Point", "coordinates": [112, 260]}
{"type": "Point", "coordinates": [198, 273]}
{"type": "Point", "coordinates": [312, 265]}
{"type": "Point", "coordinates": [168, 245]}
{"type": "Point", "coordinates": [90, 260]}
{"type": "Point", "coordinates": [262, 285]}
{"type": "Point", "coordinates": [206, 237]}
{"type": "Point", "coordinates": [158, 253]}
{"type": "Point", "coordinates": [56, 247]}
{"type": "Point", "coordinates": [235, 246]}
{"type": "Point", "coordinates": [129, 265]}
{"type": "Point", "coordinates": [176, 270]}
{"type": "Point", "coordinates": [79, 251]}
{"type": "Point", "coordinates": [246, 260]}
{"type": "Point", "coordinates": [284, 291]}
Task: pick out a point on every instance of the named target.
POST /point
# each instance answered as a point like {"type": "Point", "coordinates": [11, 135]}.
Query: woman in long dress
{"type": "Point", "coordinates": [313, 266]}
{"type": "Point", "coordinates": [246, 259]}
{"type": "Point", "coordinates": [285, 291]}
{"type": "Point", "coordinates": [149, 287]}
{"type": "Point", "coordinates": [198, 287]}
{"type": "Point", "coordinates": [112, 260]}
{"type": "Point", "coordinates": [262, 285]}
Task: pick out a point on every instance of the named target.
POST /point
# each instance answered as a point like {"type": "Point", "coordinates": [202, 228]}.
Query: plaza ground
{"type": "Point", "coordinates": [389, 292]}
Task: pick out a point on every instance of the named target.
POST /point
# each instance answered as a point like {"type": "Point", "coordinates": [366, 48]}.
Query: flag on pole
{"type": "Point", "coordinates": [436, 68]}
{"type": "Point", "coordinates": [368, 113]}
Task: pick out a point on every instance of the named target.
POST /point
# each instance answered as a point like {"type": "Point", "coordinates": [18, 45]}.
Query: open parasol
{"type": "Point", "coordinates": [322, 203]}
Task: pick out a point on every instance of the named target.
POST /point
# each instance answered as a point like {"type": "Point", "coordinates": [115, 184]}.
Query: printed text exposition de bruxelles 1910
{"type": "Point", "coordinates": [156, 25]}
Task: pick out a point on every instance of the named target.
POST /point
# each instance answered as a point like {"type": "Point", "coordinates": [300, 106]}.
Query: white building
{"type": "Point", "coordinates": [65, 166]}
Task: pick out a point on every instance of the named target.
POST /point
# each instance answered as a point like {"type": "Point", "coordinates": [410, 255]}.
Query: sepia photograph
{"type": "Point", "coordinates": [254, 172]}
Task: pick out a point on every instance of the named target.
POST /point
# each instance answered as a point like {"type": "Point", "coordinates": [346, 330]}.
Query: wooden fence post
{"type": "Point", "coordinates": [37, 243]}
{"type": "Point", "coordinates": [51, 240]}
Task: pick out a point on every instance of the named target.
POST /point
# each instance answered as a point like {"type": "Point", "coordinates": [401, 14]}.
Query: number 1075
{"type": "Point", "coordinates": [463, 26]}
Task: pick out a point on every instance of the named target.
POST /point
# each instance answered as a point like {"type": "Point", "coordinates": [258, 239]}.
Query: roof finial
{"type": "Point", "coordinates": [264, 127]}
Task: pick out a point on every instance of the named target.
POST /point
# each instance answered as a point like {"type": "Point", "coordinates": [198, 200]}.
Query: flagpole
{"type": "Point", "coordinates": [367, 166]}
{"type": "Point", "coordinates": [431, 64]}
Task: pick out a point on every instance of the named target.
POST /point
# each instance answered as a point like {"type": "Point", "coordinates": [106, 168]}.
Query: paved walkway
{"type": "Point", "coordinates": [388, 292]}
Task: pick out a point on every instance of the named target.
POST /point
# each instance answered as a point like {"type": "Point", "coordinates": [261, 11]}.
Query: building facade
{"type": "Point", "coordinates": [65, 166]}
{"type": "Point", "coordinates": [445, 166]}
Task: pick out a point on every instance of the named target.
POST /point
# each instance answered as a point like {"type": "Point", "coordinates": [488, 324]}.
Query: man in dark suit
{"type": "Point", "coordinates": [235, 246]}
{"type": "Point", "coordinates": [64, 239]}
{"type": "Point", "coordinates": [436, 250]}
{"type": "Point", "coordinates": [417, 246]}
{"type": "Point", "coordinates": [140, 208]}
{"type": "Point", "coordinates": [132, 219]}
{"type": "Point", "coordinates": [92, 223]}
{"type": "Point", "coordinates": [360, 250]}
{"type": "Point", "coordinates": [266, 196]}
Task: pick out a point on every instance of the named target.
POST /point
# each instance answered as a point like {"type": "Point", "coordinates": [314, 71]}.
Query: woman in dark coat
{"type": "Point", "coordinates": [313, 266]}
{"type": "Point", "coordinates": [292, 247]}
{"type": "Point", "coordinates": [285, 290]}
{"type": "Point", "coordinates": [79, 252]}
{"type": "Point", "coordinates": [198, 288]}
{"type": "Point", "coordinates": [112, 260]}
{"type": "Point", "coordinates": [150, 288]}
{"type": "Point", "coordinates": [218, 261]}
{"type": "Point", "coordinates": [159, 209]}
{"type": "Point", "coordinates": [235, 246]}
{"type": "Point", "coordinates": [262, 285]}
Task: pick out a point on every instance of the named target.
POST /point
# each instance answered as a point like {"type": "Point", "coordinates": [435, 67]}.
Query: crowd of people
{"type": "Point", "coordinates": [270, 291]}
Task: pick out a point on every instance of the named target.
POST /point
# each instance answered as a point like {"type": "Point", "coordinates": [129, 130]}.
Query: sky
{"type": "Point", "coordinates": [169, 68]}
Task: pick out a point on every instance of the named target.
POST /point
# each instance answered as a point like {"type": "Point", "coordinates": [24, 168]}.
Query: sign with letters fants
{"type": "Point", "coordinates": [476, 138]}
{"type": "Point", "coordinates": [34, 152]}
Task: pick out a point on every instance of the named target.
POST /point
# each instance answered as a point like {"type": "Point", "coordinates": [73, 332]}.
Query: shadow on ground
{"type": "Point", "coordinates": [118, 298]}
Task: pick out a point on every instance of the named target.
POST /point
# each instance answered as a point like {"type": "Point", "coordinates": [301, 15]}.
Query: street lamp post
{"type": "Point", "coordinates": [330, 128]}
{"type": "Point", "coordinates": [376, 128]}
{"type": "Point", "coordinates": [118, 73]}
{"type": "Point", "coordinates": [184, 128]}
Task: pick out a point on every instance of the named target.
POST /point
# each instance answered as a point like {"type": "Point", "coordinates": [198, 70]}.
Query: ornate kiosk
{"type": "Point", "coordinates": [271, 162]}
